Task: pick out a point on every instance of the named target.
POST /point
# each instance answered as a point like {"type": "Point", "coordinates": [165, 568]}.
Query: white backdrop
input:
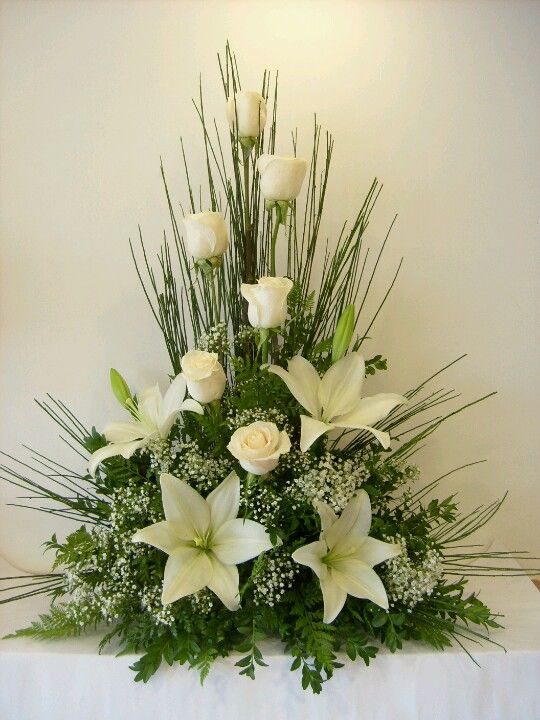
{"type": "Point", "coordinates": [440, 100]}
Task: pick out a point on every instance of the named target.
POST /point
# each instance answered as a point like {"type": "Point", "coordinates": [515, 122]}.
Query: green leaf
{"type": "Point", "coordinates": [296, 663]}
{"type": "Point", "coordinates": [379, 620]}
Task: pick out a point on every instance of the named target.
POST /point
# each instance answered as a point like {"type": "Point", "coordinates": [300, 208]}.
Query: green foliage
{"type": "Point", "coordinates": [254, 655]}
{"type": "Point", "coordinates": [57, 623]}
{"type": "Point", "coordinates": [375, 363]}
{"type": "Point", "coordinates": [78, 548]}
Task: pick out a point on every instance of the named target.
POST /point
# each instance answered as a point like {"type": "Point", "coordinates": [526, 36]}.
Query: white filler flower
{"type": "Point", "coordinates": [258, 446]}
{"type": "Point", "coordinates": [205, 540]}
{"type": "Point", "coordinates": [206, 235]}
{"type": "Point", "coordinates": [248, 109]}
{"type": "Point", "coordinates": [281, 177]}
{"type": "Point", "coordinates": [344, 556]}
{"type": "Point", "coordinates": [267, 301]}
{"type": "Point", "coordinates": [154, 416]}
{"type": "Point", "coordinates": [334, 401]}
{"type": "Point", "coordinates": [204, 375]}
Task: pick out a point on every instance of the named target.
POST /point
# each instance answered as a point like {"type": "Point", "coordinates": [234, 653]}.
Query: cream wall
{"type": "Point", "coordinates": [441, 100]}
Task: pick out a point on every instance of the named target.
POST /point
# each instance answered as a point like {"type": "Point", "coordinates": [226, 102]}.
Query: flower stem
{"type": "Point", "coordinates": [249, 250]}
{"type": "Point", "coordinates": [215, 407]}
{"type": "Point", "coordinates": [248, 482]}
{"type": "Point", "coordinates": [273, 245]}
{"type": "Point", "coordinates": [264, 350]}
{"type": "Point", "coordinates": [215, 308]}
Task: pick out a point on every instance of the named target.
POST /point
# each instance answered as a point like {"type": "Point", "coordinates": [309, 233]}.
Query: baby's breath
{"type": "Point", "coordinates": [202, 602]}
{"type": "Point", "coordinates": [151, 603]}
{"type": "Point", "coordinates": [245, 335]}
{"type": "Point", "coordinates": [162, 454]}
{"type": "Point", "coordinates": [242, 418]}
{"type": "Point", "coordinates": [215, 339]}
{"type": "Point", "coordinates": [329, 478]}
{"type": "Point", "coordinates": [274, 578]}
{"type": "Point", "coordinates": [262, 503]}
{"type": "Point", "coordinates": [408, 581]}
{"type": "Point", "coordinates": [115, 558]}
{"type": "Point", "coordinates": [200, 470]}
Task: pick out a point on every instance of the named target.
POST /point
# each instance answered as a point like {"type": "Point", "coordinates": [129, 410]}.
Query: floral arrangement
{"type": "Point", "coordinates": [266, 493]}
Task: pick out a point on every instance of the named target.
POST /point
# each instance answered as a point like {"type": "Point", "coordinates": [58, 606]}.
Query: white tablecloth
{"type": "Point", "coordinates": [68, 680]}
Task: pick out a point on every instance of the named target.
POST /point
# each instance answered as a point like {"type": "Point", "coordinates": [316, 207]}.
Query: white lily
{"type": "Point", "coordinates": [153, 418]}
{"type": "Point", "coordinates": [334, 401]}
{"type": "Point", "coordinates": [344, 556]}
{"type": "Point", "coordinates": [205, 540]}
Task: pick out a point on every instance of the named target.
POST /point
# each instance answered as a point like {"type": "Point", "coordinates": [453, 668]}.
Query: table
{"type": "Point", "coordinates": [68, 680]}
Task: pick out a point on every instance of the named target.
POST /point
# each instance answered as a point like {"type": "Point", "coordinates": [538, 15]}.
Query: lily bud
{"type": "Point", "coordinates": [343, 334]}
{"type": "Point", "coordinates": [120, 388]}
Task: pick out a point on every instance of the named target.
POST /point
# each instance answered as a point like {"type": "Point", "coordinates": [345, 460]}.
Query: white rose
{"type": "Point", "coordinates": [204, 376]}
{"type": "Point", "coordinates": [258, 446]}
{"type": "Point", "coordinates": [267, 301]}
{"type": "Point", "coordinates": [206, 235]}
{"type": "Point", "coordinates": [249, 108]}
{"type": "Point", "coordinates": [281, 177]}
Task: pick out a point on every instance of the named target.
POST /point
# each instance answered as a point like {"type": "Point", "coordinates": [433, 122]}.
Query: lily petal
{"type": "Point", "coordinates": [126, 450]}
{"type": "Point", "coordinates": [382, 436]}
{"type": "Point", "coordinates": [184, 507]}
{"type": "Point", "coordinates": [358, 579]}
{"type": "Point", "coordinates": [192, 406]}
{"type": "Point", "coordinates": [373, 551]}
{"type": "Point", "coordinates": [311, 430]}
{"type": "Point", "coordinates": [327, 515]}
{"type": "Point", "coordinates": [189, 405]}
{"type": "Point", "coordinates": [239, 540]}
{"type": "Point", "coordinates": [149, 403]}
{"type": "Point", "coordinates": [356, 517]}
{"type": "Point", "coordinates": [187, 571]}
{"type": "Point", "coordinates": [161, 535]}
{"type": "Point", "coordinates": [166, 426]}
{"type": "Point", "coordinates": [334, 598]}
{"type": "Point", "coordinates": [307, 378]}
{"type": "Point", "coordinates": [121, 432]}
{"type": "Point", "coordinates": [303, 382]}
{"type": "Point", "coordinates": [341, 387]}
{"type": "Point", "coordinates": [173, 397]}
{"type": "Point", "coordinates": [371, 410]}
{"type": "Point", "coordinates": [224, 583]}
{"type": "Point", "coordinates": [311, 555]}
{"type": "Point", "coordinates": [224, 501]}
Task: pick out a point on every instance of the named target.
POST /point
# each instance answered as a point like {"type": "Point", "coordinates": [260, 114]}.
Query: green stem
{"type": "Point", "coordinates": [250, 477]}
{"type": "Point", "coordinates": [215, 308]}
{"type": "Point", "coordinates": [249, 250]}
{"type": "Point", "coordinates": [215, 406]}
{"type": "Point", "coordinates": [248, 481]}
{"type": "Point", "coordinates": [264, 350]}
{"type": "Point", "coordinates": [273, 245]}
